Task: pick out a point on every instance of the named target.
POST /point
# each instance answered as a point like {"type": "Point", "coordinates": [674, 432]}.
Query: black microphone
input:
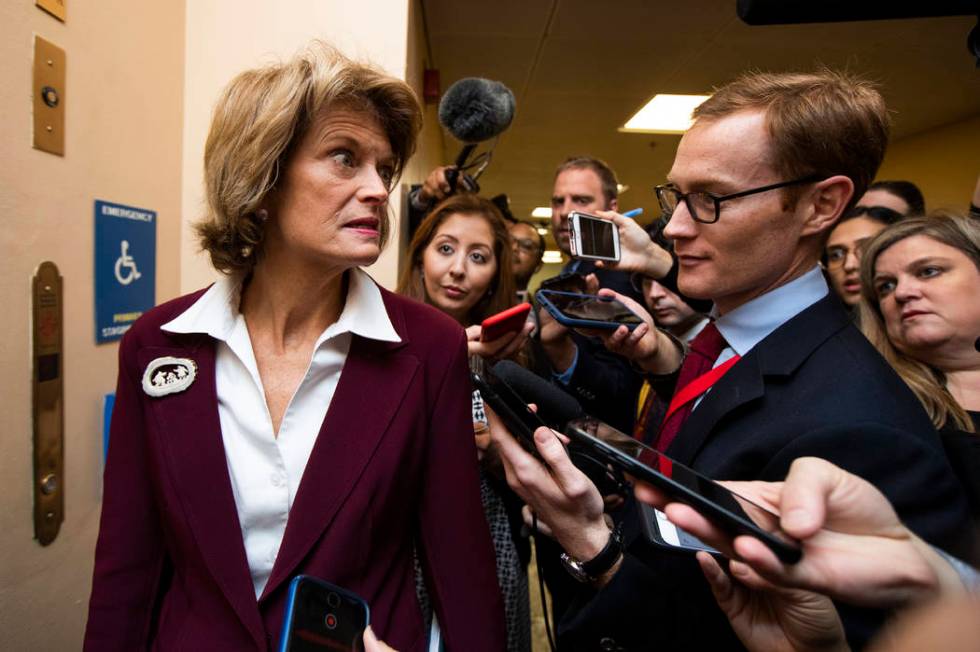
{"type": "Point", "coordinates": [474, 110]}
{"type": "Point", "coordinates": [780, 12]}
{"type": "Point", "coordinates": [555, 407]}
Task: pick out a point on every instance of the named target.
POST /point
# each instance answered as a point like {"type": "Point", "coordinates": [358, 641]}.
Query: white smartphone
{"type": "Point", "coordinates": [593, 237]}
{"type": "Point", "coordinates": [659, 531]}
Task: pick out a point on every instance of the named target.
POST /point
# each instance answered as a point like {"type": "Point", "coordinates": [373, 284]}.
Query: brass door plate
{"type": "Point", "coordinates": [54, 7]}
{"type": "Point", "coordinates": [48, 399]}
{"type": "Point", "coordinates": [49, 97]}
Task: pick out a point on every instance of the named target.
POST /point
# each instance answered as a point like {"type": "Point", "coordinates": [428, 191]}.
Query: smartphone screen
{"type": "Point", "coordinates": [726, 509]}
{"type": "Point", "coordinates": [669, 534]}
{"type": "Point", "coordinates": [320, 617]}
{"type": "Point", "coordinates": [594, 237]}
{"type": "Point", "coordinates": [592, 308]}
{"type": "Point", "coordinates": [565, 283]}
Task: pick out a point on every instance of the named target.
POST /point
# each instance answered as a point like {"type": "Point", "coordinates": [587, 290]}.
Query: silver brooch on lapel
{"type": "Point", "coordinates": [168, 376]}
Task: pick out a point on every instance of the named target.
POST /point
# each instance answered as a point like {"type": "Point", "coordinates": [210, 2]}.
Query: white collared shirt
{"type": "Point", "coordinates": [266, 470]}
{"type": "Point", "coordinates": [755, 320]}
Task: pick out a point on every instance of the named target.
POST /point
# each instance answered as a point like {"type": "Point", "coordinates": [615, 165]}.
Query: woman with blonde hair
{"type": "Point", "coordinates": [314, 424]}
{"type": "Point", "coordinates": [920, 284]}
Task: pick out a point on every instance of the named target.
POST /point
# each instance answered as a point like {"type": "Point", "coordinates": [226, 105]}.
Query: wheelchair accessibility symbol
{"type": "Point", "coordinates": [126, 271]}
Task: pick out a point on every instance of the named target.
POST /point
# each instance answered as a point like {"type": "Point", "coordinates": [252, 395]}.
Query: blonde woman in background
{"type": "Point", "coordinates": [920, 284]}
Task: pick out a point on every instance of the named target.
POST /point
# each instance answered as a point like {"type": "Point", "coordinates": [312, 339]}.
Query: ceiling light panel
{"type": "Point", "coordinates": [664, 114]}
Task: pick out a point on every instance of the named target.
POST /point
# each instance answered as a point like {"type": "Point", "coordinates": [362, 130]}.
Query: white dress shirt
{"type": "Point", "coordinates": [266, 470]}
{"type": "Point", "coordinates": [755, 320]}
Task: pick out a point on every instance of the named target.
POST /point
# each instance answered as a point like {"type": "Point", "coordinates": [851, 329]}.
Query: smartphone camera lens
{"type": "Point", "coordinates": [330, 621]}
{"type": "Point", "coordinates": [333, 600]}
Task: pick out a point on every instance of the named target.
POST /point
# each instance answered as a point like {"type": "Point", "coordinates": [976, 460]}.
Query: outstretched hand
{"type": "Point", "coordinates": [855, 549]}
{"type": "Point", "coordinates": [501, 348]}
{"type": "Point", "coordinates": [637, 252]}
{"type": "Point", "coordinates": [644, 345]}
{"type": "Point", "coordinates": [558, 492]}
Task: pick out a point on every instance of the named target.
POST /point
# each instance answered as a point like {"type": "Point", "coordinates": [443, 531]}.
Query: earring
{"type": "Point", "coordinates": [246, 251]}
{"type": "Point", "coordinates": [262, 214]}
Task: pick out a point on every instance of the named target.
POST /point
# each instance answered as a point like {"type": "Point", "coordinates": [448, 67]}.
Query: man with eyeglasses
{"type": "Point", "coordinates": [528, 247]}
{"type": "Point", "coordinates": [769, 166]}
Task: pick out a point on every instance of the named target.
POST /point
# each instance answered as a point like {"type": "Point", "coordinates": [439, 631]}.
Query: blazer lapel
{"type": "Point", "coordinates": [190, 432]}
{"type": "Point", "coordinates": [351, 432]}
{"type": "Point", "coordinates": [741, 384]}
{"type": "Point", "coordinates": [779, 354]}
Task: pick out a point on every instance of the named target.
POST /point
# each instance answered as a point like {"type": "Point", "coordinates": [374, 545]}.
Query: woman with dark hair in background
{"type": "Point", "coordinates": [885, 202]}
{"type": "Point", "coordinates": [903, 197]}
{"type": "Point", "coordinates": [293, 418]}
{"type": "Point", "coordinates": [920, 280]}
{"type": "Point", "coordinates": [459, 261]}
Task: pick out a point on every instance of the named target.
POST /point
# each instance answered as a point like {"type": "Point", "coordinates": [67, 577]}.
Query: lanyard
{"type": "Point", "coordinates": [699, 386]}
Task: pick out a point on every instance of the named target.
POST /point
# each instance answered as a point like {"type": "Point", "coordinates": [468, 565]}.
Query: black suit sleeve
{"type": "Point", "coordinates": [604, 383]}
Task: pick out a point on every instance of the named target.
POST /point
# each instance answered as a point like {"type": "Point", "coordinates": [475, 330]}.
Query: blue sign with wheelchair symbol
{"type": "Point", "coordinates": [125, 267]}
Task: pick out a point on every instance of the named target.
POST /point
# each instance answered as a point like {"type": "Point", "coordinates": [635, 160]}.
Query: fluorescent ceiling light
{"type": "Point", "coordinates": [664, 114]}
{"type": "Point", "coordinates": [541, 211]}
{"type": "Point", "coordinates": [551, 256]}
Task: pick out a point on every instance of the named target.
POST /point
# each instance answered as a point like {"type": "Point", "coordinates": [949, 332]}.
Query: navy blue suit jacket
{"type": "Point", "coordinates": [814, 387]}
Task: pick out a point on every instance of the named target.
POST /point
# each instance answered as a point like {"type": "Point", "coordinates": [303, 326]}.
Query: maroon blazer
{"type": "Point", "coordinates": [394, 464]}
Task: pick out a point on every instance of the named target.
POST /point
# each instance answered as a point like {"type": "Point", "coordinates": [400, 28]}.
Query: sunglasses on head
{"type": "Point", "coordinates": [877, 213]}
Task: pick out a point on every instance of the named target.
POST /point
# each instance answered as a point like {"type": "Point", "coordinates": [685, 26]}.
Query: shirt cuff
{"type": "Point", "coordinates": [565, 377]}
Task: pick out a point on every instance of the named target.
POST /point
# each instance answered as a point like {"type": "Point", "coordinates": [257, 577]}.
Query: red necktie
{"type": "Point", "coordinates": [696, 377]}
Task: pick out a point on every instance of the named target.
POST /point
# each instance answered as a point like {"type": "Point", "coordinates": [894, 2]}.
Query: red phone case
{"type": "Point", "coordinates": [504, 322]}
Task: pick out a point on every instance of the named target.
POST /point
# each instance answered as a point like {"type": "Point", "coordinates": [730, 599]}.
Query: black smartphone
{"type": "Point", "coordinates": [521, 421]}
{"type": "Point", "coordinates": [565, 283]}
{"type": "Point", "coordinates": [664, 535]}
{"type": "Point", "coordinates": [512, 410]}
{"type": "Point", "coordinates": [321, 616]}
{"type": "Point", "coordinates": [726, 509]}
{"type": "Point", "coordinates": [587, 310]}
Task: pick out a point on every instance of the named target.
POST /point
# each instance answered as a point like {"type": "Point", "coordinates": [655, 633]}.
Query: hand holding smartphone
{"type": "Point", "coordinates": [587, 310]}
{"type": "Point", "coordinates": [508, 321]}
{"type": "Point", "coordinates": [322, 617]}
{"type": "Point", "coordinates": [592, 237]}
{"type": "Point", "coordinates": [729, 511]}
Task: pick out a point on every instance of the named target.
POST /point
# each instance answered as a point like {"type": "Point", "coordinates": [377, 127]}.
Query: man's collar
{"type": "Point", "coordinates": [752, 322]}
{"type": "Point", "coordinates": [216, 311]}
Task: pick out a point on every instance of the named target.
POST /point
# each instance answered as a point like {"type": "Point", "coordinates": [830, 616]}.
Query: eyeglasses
{"type": "Point", "coordinates": [836, 255]}
{"type": "Point", "coordinates": [881, 214]}
{"type": "Point", "coordinates": [530, 246]}
{"type": "Point", "coordinates": [705, 207]}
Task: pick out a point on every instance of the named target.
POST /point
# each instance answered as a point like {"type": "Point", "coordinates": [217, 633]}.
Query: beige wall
{"type": "Point", "coordinates": [431, 146]}
{"type": "Point", "coordinates": [225, 37]}
{"type": "Point", "coordinates": [943, 162]}
{"type": "Point", "coordinates": [123, 128]}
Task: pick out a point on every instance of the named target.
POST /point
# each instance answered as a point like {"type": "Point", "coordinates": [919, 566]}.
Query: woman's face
{"type": "Point", "coordinates": [843, 254]}
{"type": "Point", "coordinates": [459, 265]}
{"type": "Point", "coordinates": [333, 191]}
{"type": "Point", "coordinates": [929, 295]}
